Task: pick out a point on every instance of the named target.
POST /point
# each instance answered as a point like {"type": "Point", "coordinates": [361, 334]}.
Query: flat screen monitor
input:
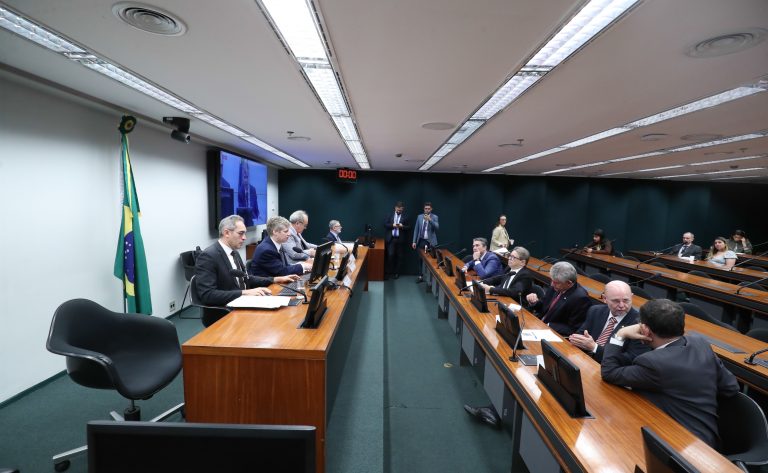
{"type": "Point", "coordinates": [461, 279]}
{"type": "Point", "coordinates": [660, 457]}
{"type": "Point", "coordinates": [322, 261]}
{"type": "Point", "coordinates": [342, 271]}
{"type": "Point", "coordinates": [161, 447]}
{"type": "Point", "coordinates": [439, 257]}
{"type": "Point", "coordinates": [563, 379]}
{"type": "Point", "coordinates": [316, 308]}
{"type": "Point", "coordinates": [354, 248]}
{"type": "Point", "coordinates": [478, 297]}
{"type": "Point", "coordinates": [237, 185]}
{"type": "Point", "coordinates": [448, 266]}
{"type": "Point", "coordinates": [508, 327]}
{"type": "Point", "coordinates": [432, 252]}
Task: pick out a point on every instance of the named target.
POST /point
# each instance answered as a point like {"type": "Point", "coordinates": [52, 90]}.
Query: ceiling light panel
{"type": "Point", "coordinates": [52, 41]}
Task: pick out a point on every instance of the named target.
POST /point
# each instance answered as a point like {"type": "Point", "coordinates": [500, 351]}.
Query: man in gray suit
{"type": "Point", "coordinates": [681, 375]}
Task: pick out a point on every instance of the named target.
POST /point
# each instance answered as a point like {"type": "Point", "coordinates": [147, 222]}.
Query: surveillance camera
{"type": "Point", "coordinates": [180, 123]}
{"type": "Point", "coordinates": [179, 136]}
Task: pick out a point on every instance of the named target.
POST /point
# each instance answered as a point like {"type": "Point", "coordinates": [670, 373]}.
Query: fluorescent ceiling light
{"type": "Point", "coordinates": [710, 173]}
{"type": "Point", "coordinates": [721, 141]}
{"type": "Point", "coordinates": [299, 28]}
{"type": "Point", "coordinates": [702, 163]}
{"type": "Point", "coordinates": [21, 26]}
{"type": "Point", "coordinates": [729, 160]}
{"type": "Point", "coordinates": [589, 22]}
{"type": "Point", "coordinates": [733, 177]}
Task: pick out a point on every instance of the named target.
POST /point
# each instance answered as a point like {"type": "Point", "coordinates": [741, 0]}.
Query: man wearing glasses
{"type": "Point", "coordinates": [216, 285]}
{"type": "Point", "coordinates": [517, 282]}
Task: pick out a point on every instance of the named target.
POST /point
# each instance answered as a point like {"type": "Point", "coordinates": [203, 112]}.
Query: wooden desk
{"type": "Point", "coordinates": [754, 375]}
{"type": "Point", "coordinates": [735, 276]}
{"type": "Point", "coordinates": [258, 367]}
{"type": "Point", "coordinates": [748, 298]}
{"type": "Point", "coordinates": [759, 259]}
{"type": "Point", "coordinates": [376, 261]}
{"type": "Point", "coordinates": [611, 440]}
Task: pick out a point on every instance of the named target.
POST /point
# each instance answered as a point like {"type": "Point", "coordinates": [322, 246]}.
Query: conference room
{"type": "Point", "coordinates": [645, 119]}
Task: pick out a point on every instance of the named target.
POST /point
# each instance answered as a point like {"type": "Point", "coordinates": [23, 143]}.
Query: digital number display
{"type": "Point", "coordinates": [346, 175]}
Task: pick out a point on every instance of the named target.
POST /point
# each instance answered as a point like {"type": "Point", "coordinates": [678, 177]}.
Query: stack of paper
{"type": "Point", "coordinates": [259, 302]}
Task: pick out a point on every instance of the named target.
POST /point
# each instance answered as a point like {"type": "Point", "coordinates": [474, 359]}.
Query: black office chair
{"type": "Point", "coordinates": [757, 268]}
{"type": "Point", "coordinates": [702, 274]}
{"type": "Point", "coordinates": [210, 314]}
{"type": "Point", "coordinates": [743, 431]}
{"type": "Point", "coordinates": [640, 292]}
{"type": "Point", "coordinates": [759, 333]}
{"type": "Point", "coordinates": [658, 264]}
{"type": "Point", "coordinates": [603, 278]}
{"type": "Point", "coordinates": [188, 259]}
{"type": "Point", "coordinates": [135, 354]}
{"type": "Point", "coordinates": [699, 313]}
{"type": "Point", "coordinates": [579, 271]}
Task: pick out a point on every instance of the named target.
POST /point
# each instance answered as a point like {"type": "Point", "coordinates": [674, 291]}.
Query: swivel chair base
{"type": "Point", "coordinates": [61, 461]}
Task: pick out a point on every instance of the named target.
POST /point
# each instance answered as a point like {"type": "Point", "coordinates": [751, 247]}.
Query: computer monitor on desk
{"type": "Point", "coordinates": [448, 266]}
{"type": "Point", "coordinates": [154, 447]}
{"type": "Point", "coordinates": [508, 327]}
{"type": "Point", "coordinates": [563, 379]}
{"type": "Point", "coordinates": [316, 308]}
{"type": "Point", "coordinates": [660, 457]}
{"type": "Point", "coordinates": [461, 279]}
{"type": "Point", "coordinates": [478, 297]}
{"type": "Point", "coordinates": [439, 257]}
{"type": "Point", "coordinates": [322, 261]}
{"type": "Point", "coordinates": [342, 271]}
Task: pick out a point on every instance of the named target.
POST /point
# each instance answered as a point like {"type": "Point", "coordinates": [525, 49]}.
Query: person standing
{"type": "Point", "coordinates": [397, 226]}
{"type": "Point", "coordinates": [425, 231]}
{"type": "Point", "coordinates": [500, 238]}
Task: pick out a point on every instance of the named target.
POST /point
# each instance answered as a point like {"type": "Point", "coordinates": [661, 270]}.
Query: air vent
{"type": "Point", "coordinates": [438, 126]}
{"type": "Point", "coordinates": [728, 43]}
{"type": "Point", "coordinates": [149, 19]}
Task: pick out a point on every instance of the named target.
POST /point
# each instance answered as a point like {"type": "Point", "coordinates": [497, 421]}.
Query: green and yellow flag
{"type": "Point", "coordinates": [130, 260]}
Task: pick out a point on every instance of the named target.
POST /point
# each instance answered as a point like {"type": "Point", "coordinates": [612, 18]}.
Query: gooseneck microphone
{"type": "Point", "coordinates": [573, 249]}
{"type": "Point", "coordinates": [242, 274]}
{"type": "Point", "coordinates": [652, 276]}
{"type": "Point", "coordinates": [506, 271]}
{"type": "Point", "coordinates": [752, 283]}
{"type": "Point", "coordinates": [659, 255]}
{"type": "Point", "coordinates": [750, 360]}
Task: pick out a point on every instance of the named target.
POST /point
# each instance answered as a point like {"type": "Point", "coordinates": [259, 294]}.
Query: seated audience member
{"type": "Point", "coordinates": [599, 245]}
{"type": "Point", "coordinates": [334, 227]}
{"type": "Point", "coordinates": [299, 222]}
{"type": "Point", "coordinates": [606, 319]}
{"type": "Point", "coordinates": [739, 243]}
{"type": "Point", "coordinates": [720, 255]}
{"type": "Point", "coordinates": [216, 286]}
{"type": "Point", "coordinates": [484, 263]}
{"type": "Point", "coordinates": [686, 248]}
{"type": "Point", "coordinates": [681, 375]}
{"type": "Point", "coordinates": [515, 284]}
{"type": "Point", "coordinates": [269, 258]}
{"type": "Point", "coordinates": [565, 303]}
{"type": "Point", "coordinates": [500, 238]}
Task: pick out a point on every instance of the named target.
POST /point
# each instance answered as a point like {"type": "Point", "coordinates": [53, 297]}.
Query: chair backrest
{"type": "Point", "coordinates": [188, 260]}
{"type": "Point", "coordinates": [759, 333]}
{"type": "Point", "coordinates": [757, 268]}
{"type": "Point", "coordinates": [699, 313]}
{"type": "Point", "coordinates": [659, 264]}
{"type": "Point", "coordinates": [702, 274]}
{"type": "Point", "coordinates": [743, 429]}
{"type": "Point", "coordinates": [579, 271]}
{"type": "Point", "coordinates": [640, 292]}
{"type": "Point", "coordinates": [603, 278]}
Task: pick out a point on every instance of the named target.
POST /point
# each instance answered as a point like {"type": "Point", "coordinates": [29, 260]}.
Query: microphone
{"type": "Point", "coordinates": [242, 274]}
{"type": "Point", "coordinates": [750, 360]}
{"type": "Point", "coordinates": [573, 249]}
{"type": "Point", "coordinates": [652, 276]}
{"type": "Point", "coordinates": [506, 271]}
{"type": "Point", "coordinates": [463, 250]}
{"type": "Point", "coordinates": [753, 283]}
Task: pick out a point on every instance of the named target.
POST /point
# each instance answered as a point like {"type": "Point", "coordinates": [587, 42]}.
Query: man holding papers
{"type": "Point", "coordinates": [216, 285]}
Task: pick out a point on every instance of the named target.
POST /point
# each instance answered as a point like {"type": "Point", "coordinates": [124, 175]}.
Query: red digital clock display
{"type": "Point", "coordinates": [346, 175]}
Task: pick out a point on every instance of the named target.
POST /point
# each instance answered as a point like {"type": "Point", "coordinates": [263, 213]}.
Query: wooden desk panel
{"type": "Point", "coordinates": [611, 441]}
{"type": "Point", "coordinates": [754, 375]}
{"type": "Point", "coordinates": [376, 261]}
{"type": "Point", "coordinates": [258, 367]}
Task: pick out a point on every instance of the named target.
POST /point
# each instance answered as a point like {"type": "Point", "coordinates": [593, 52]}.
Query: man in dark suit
{"type": "Point", "coordinates": [425, 231]}
{"type": "Point", "coordinates": [515, 284]}
{"type": "Point", "coordinates": [564, 306]}
{"type": "Point", "coordinates": [334, 229]}
{"type": "Point", "coordinates": [686, 248]}
{"type": "Point", "coordinates": [269, 258]}
{"type": "Point", "coordinates": [484, 263]}
{"type": "Point", "coordinates": [397, 226]}
{"type": "Point", "coordinates": [681, 375]}
{"type": "Point", "coordinates": [604, 320]}
{"type": "Point", "coordinates": [216, 286]}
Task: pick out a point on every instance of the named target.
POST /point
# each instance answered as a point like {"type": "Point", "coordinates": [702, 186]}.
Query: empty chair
{"type": "Point", "coordinates": [630, 257]}
{"type": "Point", "coordinates": [603, 278]}
{"type": "Point", "coordinates": [759, 333]}
{"type": "Point", "coordinates": [743, 431]}
{"type": "Point", "coordinates": [699, 313]}
{"type": "Point", "coordinates": [640, 292]}
{"type": "Point", "coordinates": [702, 274]}
{"type": "Point", "coordinates": [579, 271]}
{"type": "Point", "coordinates": [757, 268]}
{"type": "Point", "coordinates": [188, 259]}
{"type": "Point", "coordinates": [210, 313]}
{"type": "Point", "coordinates": [659, 264]}
{"type": "Point", "coordinates": [135, 354]}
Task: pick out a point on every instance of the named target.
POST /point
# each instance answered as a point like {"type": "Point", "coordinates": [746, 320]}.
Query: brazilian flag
{"type": "Point", "coordinates": [130, 261]}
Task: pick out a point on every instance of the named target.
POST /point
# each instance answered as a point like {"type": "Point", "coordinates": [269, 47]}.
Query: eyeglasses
{"type": "Point", "coordinates": [242, 233]}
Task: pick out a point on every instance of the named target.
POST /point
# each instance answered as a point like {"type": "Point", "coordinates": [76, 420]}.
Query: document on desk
{"type": "Point", "coordinates": [538, 335]}
{"type": "Point", "coordinates": [259, 302]}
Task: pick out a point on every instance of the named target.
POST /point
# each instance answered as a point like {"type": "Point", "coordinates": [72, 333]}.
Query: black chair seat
{"type": "Point", "coordinates": [743, 430]}
{"type": "Point", "coordinates": [759, 334]}
{"type": "Point", "coordinates": [699, 313]}
{"type": "Point", "coordinates": [603, 278]}
{"type": "Point", "coordinates": [640, 292]}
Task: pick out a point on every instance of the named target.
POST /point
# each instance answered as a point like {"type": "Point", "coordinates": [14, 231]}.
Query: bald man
{"type": "Point", "coordinates": [602, 321]}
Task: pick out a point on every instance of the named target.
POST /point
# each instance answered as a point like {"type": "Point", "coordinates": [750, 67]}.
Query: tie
{"type": "Point", "coordinates": [607, 331]}
{"type": "Point", "coordinates": [303, 243]}
{"type": "Point", "coordinates": [545, 319]}
{"type": "Point", "coordinates": [240, 266]}
{"type": "Point", "coordinates": [424, 230]}
{"type": "Point", "coordinates": [282, 256]}
{"type": "Point", "coordinates": [682, 249]}
{"type": "Point", "coordinates": [509, 279]}
{"type": "Point", "coordinates": [397, 220]}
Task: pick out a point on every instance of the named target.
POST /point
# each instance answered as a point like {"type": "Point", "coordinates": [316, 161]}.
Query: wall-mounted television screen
{"type": "Point", "coordinates": [238, 186]}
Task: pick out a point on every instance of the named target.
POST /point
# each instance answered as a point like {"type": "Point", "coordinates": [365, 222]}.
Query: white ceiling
{"type": "Point", "coordinates": [406, 63]}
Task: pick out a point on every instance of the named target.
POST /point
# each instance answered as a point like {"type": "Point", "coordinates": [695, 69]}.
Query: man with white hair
{"type": "Point", "coordinates": [565, 303]}
{"type": "Point", "coordinates": [299, 222]}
